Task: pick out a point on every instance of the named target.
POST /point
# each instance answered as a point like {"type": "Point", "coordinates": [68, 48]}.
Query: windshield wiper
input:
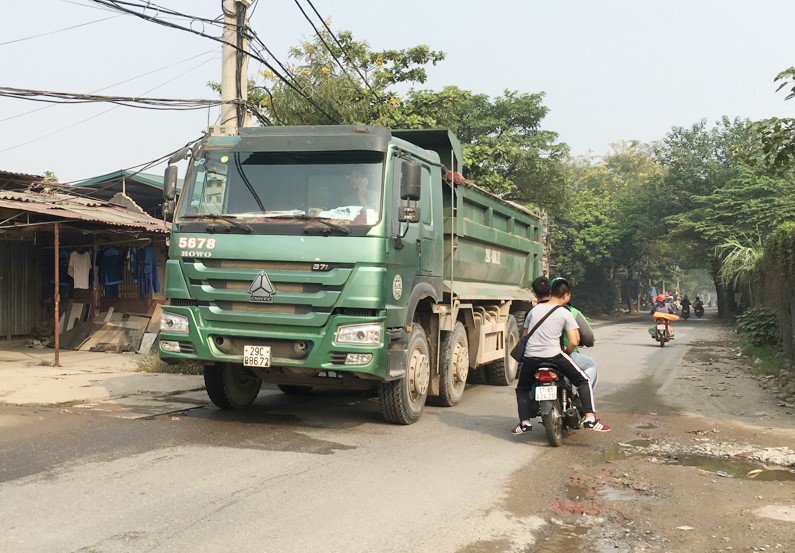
{"type": "Point", "coordinates": [329, 224]}
{"type": "Point", "coordinates": [245, 227]}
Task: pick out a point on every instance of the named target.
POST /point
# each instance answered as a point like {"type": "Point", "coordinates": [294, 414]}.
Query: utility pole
{"type": "Point", "coordinates": [234, 69]}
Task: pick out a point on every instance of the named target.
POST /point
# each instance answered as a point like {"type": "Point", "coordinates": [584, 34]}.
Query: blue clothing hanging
{"type": "Point", "coordinates": [147, 267]}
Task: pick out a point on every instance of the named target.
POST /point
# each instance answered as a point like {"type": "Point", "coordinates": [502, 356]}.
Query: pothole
{"type": "Point", "coordinates": [729, 468]}
{"type": "Point", "coordinates": [720, 466]}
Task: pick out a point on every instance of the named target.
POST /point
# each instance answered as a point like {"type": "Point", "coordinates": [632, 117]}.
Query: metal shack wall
{"type": "Point", "coordinates": [22, 280]}
{"type": "Point", "coordinates": [497, 244]}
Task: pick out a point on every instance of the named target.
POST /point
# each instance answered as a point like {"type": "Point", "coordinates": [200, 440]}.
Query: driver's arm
{"type": "Point", "coordinates": [573, 336]}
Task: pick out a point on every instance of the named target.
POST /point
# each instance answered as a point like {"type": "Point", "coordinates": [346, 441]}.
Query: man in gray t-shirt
{"type": "Point", "coordinates": [544, 347]}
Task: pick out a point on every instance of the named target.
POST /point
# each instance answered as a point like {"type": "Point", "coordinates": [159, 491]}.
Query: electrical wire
{"type": "Point", "coordinates": [103, 112]}
{"type": "Point", "coordinates": [176, 104]}
{"type": "Point", "coordinates": [342, 49]}
{"type": "Point", "coordinates": [112, 85]}
{"type": "Point", "coordinates": [59, 30]}
{"type": "Point", "coordinates": [116, 4]}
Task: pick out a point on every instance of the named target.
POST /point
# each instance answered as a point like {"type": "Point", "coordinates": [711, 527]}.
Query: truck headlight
{"type": "Point", "coordinates": [175, 324]}
{"type": "Point", "coordinates": [361, 335]}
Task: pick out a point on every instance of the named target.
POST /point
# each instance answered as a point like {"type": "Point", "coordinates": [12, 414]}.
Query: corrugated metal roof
{"type": "Point", "coordinates": [67, 206]}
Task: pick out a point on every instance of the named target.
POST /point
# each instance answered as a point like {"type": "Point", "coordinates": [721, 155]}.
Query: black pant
{"type": "Point", "coordinates": [528, 407]}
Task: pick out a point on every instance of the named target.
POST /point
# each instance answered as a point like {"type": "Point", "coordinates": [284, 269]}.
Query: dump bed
{"type": "Point", "coordinates": [498, 247]}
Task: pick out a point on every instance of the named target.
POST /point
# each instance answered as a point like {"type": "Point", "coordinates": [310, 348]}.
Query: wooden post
{"type": "Point", "coordinates": [57, 295]}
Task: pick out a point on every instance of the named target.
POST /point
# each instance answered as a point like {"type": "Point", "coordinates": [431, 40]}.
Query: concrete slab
{"type": "Point", "coordinates": [27, 377]}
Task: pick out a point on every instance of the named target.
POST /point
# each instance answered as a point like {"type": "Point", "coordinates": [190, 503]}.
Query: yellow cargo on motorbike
{"type": "Point", "coordinates": [668, 316]}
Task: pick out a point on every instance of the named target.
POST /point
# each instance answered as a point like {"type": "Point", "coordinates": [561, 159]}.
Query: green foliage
{"type": "Point", "coordinates": [759, 326]}
{"type": "Point", "coordinates": [49, 176]}
{"type": "Point", "coordinates": [764, 359]}
{"type": "Point", "coordinates": [779, 253]}
{"type": "Point", "coordinates": [742, 258]}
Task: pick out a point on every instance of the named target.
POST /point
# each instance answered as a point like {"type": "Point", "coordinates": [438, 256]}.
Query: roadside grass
{"type": "Point", "coordinates": [763, 359]}
{"type": "Point", "coordinates": [153, 364]}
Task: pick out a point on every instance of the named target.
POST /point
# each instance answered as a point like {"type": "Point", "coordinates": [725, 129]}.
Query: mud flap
{"type": "Point", "coordinates": [398, 343]}
{"type": "Point", "coordinates": [544, 407]}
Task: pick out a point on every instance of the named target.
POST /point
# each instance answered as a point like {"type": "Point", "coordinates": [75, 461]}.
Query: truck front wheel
{"type": "Point", "coordinates": [454, 367]}
{"type": "Point", "coordinates": [402, 400]}
{"type": "Point", "coordinates": [231, 386]}
{"type": "Point", "coordinates": [504, 371]}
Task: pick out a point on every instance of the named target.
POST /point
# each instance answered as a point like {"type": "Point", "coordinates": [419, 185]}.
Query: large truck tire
{"type": "Point", "coordinates": [453, 367]}
{"type": "Point", "coordinates": [505, 371]}
{"type": "Point", "coordinates": [231, 386]}
{"type": "Point", "coordinates": [402, 400]}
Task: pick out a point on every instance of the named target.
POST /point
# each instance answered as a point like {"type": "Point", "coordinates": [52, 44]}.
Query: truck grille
{"type": "Point", "coordinates": [222, 285]}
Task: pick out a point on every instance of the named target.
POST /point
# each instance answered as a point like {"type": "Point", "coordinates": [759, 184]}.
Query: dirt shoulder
{"type": "Point", "coordinates": [701, 460]}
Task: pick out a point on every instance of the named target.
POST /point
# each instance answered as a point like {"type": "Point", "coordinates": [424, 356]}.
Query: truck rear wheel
{"type": "Point", "coordinates": [402, 400]}
{"type": "Point", "coordinates": [504, 371]}
{"type": "Point", "coordinates": [231, 386]}
{"type": "Point", "coordinates": [453, 367]}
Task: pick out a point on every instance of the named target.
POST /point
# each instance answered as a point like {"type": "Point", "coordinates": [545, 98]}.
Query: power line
{"type": "Point", "coordinates": [116, 4]}
{"type": "Point", "coordinates": [101, 113]}
{"type": "Point", "coordinates": [59, 30]}
{"type": "Point", "coordinates": [128, 101]}
{"type": "Point", "coordinates": [342, 49]}
{"type": "Point", "coordinates": [114, 84]}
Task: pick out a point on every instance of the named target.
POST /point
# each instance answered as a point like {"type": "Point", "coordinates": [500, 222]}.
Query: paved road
{"type": "Point", "coordinates": [318, 473]}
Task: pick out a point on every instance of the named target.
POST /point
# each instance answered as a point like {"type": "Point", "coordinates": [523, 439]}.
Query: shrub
{"type": "Point", "coordinates": [759, 325]}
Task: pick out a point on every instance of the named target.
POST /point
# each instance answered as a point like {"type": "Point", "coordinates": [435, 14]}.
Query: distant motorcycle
{"type": "Point", "coordinates": [698, 309]}
{"type": "Point", "coordinates": [662, 327]}
{"type": "Point", "coordinates": [685, 312]}
{"type": "Point", "coordinates": [559, 403]}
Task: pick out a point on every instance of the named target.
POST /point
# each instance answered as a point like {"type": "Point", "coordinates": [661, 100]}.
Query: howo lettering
{"type": "Point", "coordinates": [348, 257]}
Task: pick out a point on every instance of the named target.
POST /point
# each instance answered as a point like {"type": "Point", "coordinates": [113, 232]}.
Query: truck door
{"type": "Point", "coordinates": [428, 242]}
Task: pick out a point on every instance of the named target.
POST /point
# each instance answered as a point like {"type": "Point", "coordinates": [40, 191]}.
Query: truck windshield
{"type": "Point", "coordinates": [293, 189]}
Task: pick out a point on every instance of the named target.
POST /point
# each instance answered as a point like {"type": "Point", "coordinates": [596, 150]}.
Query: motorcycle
{"type": "Point", "coordinates": [698, 309]}
{"type": "Point", "coordinates": [685, 312]}
{"type": "Point", "coordinates": [558, 401]}
{"type": "Point", "coordinates": [662, 327]}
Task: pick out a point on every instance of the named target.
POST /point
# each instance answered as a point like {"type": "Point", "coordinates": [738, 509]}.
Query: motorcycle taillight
{"type": "Point", "coordinates": [545, 375]}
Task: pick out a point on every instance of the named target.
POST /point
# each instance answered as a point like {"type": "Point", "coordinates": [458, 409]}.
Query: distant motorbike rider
{"type": "Point", "coordinates": [686, 303]}
{"type": "Point", "coordinates": [698, 307]}
{"type": "Point", "coordinates": [662, 306]}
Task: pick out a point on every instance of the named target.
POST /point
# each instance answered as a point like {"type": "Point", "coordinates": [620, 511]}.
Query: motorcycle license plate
{"type": "Point", "coordinates": [661, 328]}
{"type": "Point", "coordinates": [545, 393]}
{"type": "Point", "coordinates": [256, 356]}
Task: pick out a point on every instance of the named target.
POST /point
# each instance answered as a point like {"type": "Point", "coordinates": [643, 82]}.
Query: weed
{"type": "Point", "coordinates": [153, 364]}
{"type": "Point", "coordinates": [764, 359]}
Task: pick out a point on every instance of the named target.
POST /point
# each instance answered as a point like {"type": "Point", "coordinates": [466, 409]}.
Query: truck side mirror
{"type": "Point", "coordinates": [169, 191]}
{"type": "Point", "coordinates": [410, 180]}
{"type": "Point", "coordinates": [170, 183]}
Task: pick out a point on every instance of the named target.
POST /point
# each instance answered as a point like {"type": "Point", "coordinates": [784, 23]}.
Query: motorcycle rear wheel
{"type": "Point", "coordinates": [553, 424]}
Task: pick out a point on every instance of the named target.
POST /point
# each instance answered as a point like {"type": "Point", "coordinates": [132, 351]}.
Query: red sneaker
{"type": "Point", "coordinates": [597, 425]}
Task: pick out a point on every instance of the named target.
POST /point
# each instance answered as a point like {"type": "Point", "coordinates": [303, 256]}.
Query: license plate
{"type": "Point", "coordinates": [545, 393]}
{"type": "Point", "coordinates": [661, 328]}
{"type": "Point", "coordinates": [256, 356]}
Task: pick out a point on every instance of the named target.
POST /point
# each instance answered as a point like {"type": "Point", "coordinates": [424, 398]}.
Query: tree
{"type": "Point", "coordinates": [346, 81]}
{"type": "Point", "coordinates": [505, 149]}
{"type": "Point", "coordinates": [609, 231]}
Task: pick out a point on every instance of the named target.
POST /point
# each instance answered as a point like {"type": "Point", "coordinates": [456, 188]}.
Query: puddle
{"type": "Point", "coordinates": [578, 493]}
{"type": "Point", "coordinates": [727, 467]}
{"type": "Point", "coordinates": [564, 539]}
{"type": "Point", "coordinates": [624, 450]}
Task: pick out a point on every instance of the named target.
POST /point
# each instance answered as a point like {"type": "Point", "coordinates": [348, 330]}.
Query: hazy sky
{"type": "Point", "coordinates": [611, 69]}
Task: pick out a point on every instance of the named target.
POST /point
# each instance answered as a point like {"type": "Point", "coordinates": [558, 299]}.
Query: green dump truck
{"type": "Point", "coordinates": [284, 270]}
